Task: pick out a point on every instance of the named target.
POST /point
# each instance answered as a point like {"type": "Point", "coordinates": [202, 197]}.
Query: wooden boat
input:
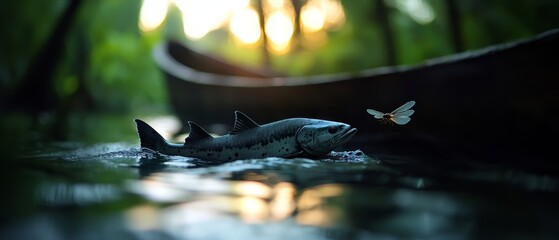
{"type": "Point", "coordinates": [500, 96]}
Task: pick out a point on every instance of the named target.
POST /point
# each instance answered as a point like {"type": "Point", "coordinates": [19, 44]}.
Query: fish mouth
{"type": "Point", "coordinates": [344, 137]}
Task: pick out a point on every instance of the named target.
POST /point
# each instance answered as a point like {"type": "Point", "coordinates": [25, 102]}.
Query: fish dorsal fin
{"type": "Point", "coordinates": [242, 123]}
{"type": "Point", "coordinates": [197, 133]}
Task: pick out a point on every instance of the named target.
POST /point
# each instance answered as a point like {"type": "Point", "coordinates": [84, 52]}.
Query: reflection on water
{"type": "Point", "coordinates": [199, 201]}
{"type": "Point", "coordinates": [326, 206]}
{"type": "Point", "coordinates": [75, 194]}
{"type": "Point", "coordinates": [116, 191]}
{"type": "Point", "coordinates": [254, 202]}
{"type": "Point", "coordinates": [311, 204]}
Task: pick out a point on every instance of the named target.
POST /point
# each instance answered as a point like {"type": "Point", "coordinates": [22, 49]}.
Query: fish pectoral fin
{"type": "Point", "coordinates": [242, 123]}
{"type": "Point", "coordinates": [196, 133]}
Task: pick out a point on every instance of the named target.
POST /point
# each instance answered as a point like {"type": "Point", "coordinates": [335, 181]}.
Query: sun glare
{"type": "Point", "coordinates": [279, 29]}
{"type": "Point", "coordinates": [201, 17]}
{"type": "Point", "coordinates": [245, 25]}
{"type": "Point", "coordinates": [243, 21]}
{"type": "Point", "coordinates": [152, 14]}
{"type": "Point", "coordinates": [312, 19]}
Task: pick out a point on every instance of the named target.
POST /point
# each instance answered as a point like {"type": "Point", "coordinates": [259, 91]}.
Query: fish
{"type": "Point", "coordinates": [400, 115]}
{"type": "Point", "coordinates": [288, 138]}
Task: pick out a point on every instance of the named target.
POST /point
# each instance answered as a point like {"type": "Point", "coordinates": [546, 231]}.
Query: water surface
{"type": "Point", "coordinates": [70, 190]}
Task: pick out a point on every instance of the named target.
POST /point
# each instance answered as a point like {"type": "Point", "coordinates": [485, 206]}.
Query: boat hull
{"type": "Point", "coordinates": [504, 93]}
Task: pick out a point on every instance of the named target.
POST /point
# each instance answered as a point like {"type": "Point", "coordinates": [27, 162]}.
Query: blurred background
{"type": "Point", "coordinates": [75, 73]}
{"type": "Point", "coordinates": [65, 63]}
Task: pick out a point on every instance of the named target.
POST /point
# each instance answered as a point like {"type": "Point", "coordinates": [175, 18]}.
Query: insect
{"type": "Point", "coordinates": [399, 116]}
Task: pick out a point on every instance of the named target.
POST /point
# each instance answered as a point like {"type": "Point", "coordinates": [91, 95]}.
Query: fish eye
{"type": "Point", "coordinates": [332, 129]}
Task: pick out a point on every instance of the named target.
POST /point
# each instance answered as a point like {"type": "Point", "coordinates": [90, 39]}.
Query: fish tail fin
{"type": "Point", "coordinates": [149, 138]}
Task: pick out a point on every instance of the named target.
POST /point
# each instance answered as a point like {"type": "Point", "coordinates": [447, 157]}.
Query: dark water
{"type": "Point", "coordinates": [115, 191]}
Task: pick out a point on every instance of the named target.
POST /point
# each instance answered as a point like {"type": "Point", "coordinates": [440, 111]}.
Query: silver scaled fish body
{"type": "Point", "coordinates": [285, 138]}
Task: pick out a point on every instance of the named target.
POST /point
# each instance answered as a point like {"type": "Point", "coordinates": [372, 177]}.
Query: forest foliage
{"type": "Point", "coordinates": [106, 53]}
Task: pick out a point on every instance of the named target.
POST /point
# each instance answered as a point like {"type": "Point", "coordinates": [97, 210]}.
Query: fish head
{"type": "Point", "coordinates": [321, 137]}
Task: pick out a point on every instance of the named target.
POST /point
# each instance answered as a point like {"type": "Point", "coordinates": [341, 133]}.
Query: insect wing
{"type": "Point", "coordinates": [401, 120]}
{"type": "Point", "coordinates": [404, 107]}
{"type": "Point", "coordinates": [405, 113]}
{"type": "Point", "coordinates": [375, 113]}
